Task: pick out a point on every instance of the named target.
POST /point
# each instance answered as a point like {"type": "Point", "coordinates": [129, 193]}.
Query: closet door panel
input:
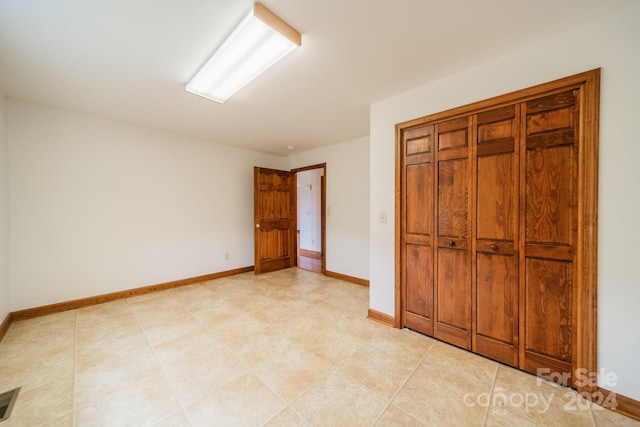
{"type": "Point", "coordinates": [417, 231]}
{"type": "Point", "coordinates": [452, 257]}
{"type": "Point", "coordinates": [454, 297]}
{"type": "Point", "coordinates": [549, 214]}
{"type": "Point", "coordinates": [420, 199]}
{"type": "Point", "coordinates": [496, 298]}
{"type": "Point", "coordinates": [548, 307]}
{"type": "Point", "coordinates": [495, 248]}
{"type": "Point", "coordinates": [549, 227]}
{"type": "Point", "coordinates": [419, 288]}
{"type": "Point", "coordinates": [495, 207]}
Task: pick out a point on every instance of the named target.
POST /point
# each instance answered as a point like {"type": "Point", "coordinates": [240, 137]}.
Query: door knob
{"type": "Point", "coordinates": [257, 225]}
{"type": "Point", "coordinates": [494, 247]}
{"type": "Point", "coordinates": [452, 243]}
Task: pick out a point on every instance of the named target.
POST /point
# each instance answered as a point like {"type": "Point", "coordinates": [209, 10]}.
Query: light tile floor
{"type": "Point", "coordinates": [289, 348]}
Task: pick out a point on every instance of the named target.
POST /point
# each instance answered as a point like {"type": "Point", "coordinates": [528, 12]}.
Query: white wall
{"type": "Point", "coordinates": [4, 216]}
{"type": "Point", "coordinates": [309, 209]}
{"type": "Point", "coordinates": [347, 203]}
{"type": "Point", "coordinates": [100, 206]}
{"type": "Point", "coordinates": [610, 43]}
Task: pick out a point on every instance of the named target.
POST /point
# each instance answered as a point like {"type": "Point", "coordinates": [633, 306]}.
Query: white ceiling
{"type": "Point", "coordinates": [130, 59]}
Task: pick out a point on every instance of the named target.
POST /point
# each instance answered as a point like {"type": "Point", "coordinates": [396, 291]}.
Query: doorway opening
{"type": "Point", "coordinates": [310, 204]}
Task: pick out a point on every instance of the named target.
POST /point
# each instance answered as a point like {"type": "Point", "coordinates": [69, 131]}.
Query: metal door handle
{"type": "Point", "coordinates": [452, 243]}
{"type": "Point", "coordinates": [494, 247]}
{"type": "Point", "coordinates": [257, 225]}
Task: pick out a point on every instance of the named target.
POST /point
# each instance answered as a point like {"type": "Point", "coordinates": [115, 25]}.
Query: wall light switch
{"type": "Point", "coordinates": [382, 216]}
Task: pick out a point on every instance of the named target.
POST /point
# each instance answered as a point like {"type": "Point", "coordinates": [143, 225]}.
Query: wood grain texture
{"type": "Point", "coordinates": [381, 317]}
{"type": "Point", "coordinates": [546, 138]}
{"type": "Point", "coordinates": [4, 326]}
{"type": "Point", "coordinates": [623, 405]}
{"type": "Point", "coordinates": [346, 278]}
{"type": "Point", "coordinates": [275, 219]}
{"type": "Point", "coordinates": [419, 285]}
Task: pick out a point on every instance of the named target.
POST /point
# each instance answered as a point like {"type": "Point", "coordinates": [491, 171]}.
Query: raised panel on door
{"type": "Point", "coordinates": [418, 313]}
{"type": "Point", "coordinates": [548, 316]}
{"type": "Point", "coordinates": [453, 264]}
{"type": "Point", "coordinates": [454, 297]}
{"type": "Point", "coordinates": [495, 249]}
{"type": "Point", "coordinates": [549, 232]}
{"type": "Point", "coordinates": [419, 199]}
{"type": "Point", "coordinates": [417, 234]}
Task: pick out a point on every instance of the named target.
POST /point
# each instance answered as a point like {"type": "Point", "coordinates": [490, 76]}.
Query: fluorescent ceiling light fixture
{"type": "Point", "coordinates": [261, 40]}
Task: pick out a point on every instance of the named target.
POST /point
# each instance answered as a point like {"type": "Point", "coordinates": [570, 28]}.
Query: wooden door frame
{"type": "Point", "coordinates": [586, 270]}
{"type": "Point", "coordinates": [323, 212]}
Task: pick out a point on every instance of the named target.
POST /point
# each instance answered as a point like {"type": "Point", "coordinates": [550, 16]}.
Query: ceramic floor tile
{"type": "Point", "coordinates": [377, 370]}
{"type": "Point", "coordinates": [113, 347]}
{"type": "Point", "coordinates": [260, 348]}
{"type": "Point", "coordinates": [179, 419]}
{"type": "Point", "coordinates": [409, 346]}
{"type": "Point", "coordinates": [193, 298]}
{"type": "Point", "coordinates": [241, 325]}
{"type": "Point", "coordinates": [233, 350]}
{"type": "Point", "coordinates": [39, 336]}
{"type": "Point", "coordinates": [196, 365]}
{"type": "Point", "coordinates": [102, 321]}
{"type": "Point", "coordinates": [461, 368]}
{"type": "Point", "coordinates": [245, 401]}
{"type": "Point", "coordinates": [448, 388]}
{"type": "Point", "coordinates": [339, 401]}
{"type": "Point", "coordinates": [66, 421]}
{"type": "Point", "coordinates": [141, 404]}
{"type": "Point", "coordinates": [167, 330]}
{"type": "Point", "coordinates": [37, 370]}
{"type": "Point", "coordinates": [274, 313]}
{"type": "Point", "coordinates": [292, 372]}
{"type": "Point", "coordinates": [300, 329]}
{"type": "Point", "coordinates": [357, 325]}
{"type": "Point", "coordinates": [156, 310]}
{"type": "Point", "coordinates": [286, 418]}
{"type": "Point", "coordinates": [41, 405]}
{"type": "Point", "coordinates": [120, 362]}
{"type": "Point", "coordinates": [215, 312]}
{"type": "Point", "coordinates": [604, 417]}
{"type": "Point", "coordinates": [394, 417]}
{"type": "Point", "coordinates": [501, 417]}
{"type": "Point", "coordinates": [332, 345]}
{"type": "Point", "coordinates": [538, 401]}
{"type": "Point", "coordinates": [435, 401]}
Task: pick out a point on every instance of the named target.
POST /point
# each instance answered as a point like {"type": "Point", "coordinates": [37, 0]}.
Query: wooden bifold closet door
{"type": "Point", "coordinates": [493, 200]}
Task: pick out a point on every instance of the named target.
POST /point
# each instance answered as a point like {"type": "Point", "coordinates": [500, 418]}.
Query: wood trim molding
{"type": "Point", "coordinates": [310, 254]}
{"type": "Point", "coordinates": [350, 279]}
{"type": "Point", "coordinates": [311, 167]}
{"type": "Point", "coordinates": [30, 313]}
{"type": "Point", "coordinates": [381, 317]}
{"type": "Point", "coordinates": [4, 326]}
{"type": "Point", "coordinates": [623, 405]}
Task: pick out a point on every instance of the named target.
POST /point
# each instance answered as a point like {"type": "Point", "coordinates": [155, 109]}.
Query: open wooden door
{"type": "Point", "coordinates": [274, 219]}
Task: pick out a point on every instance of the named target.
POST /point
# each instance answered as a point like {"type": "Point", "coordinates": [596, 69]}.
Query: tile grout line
{"type": "Point", "coordinates": [406, 381]}
{"type": "Point", "coordinates": [164, 373]}
{"type": "Point", "coordinates": [493, 386]}
{"type": "Point", "coordinates": [75, 367]}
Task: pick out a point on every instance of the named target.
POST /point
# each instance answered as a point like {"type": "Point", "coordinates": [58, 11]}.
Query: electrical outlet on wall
{"type": "Point", "coordinates": [227, 256]}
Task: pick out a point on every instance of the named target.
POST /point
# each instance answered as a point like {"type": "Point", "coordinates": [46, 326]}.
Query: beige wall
{"type": "Point", "coordinates": [611, 42]}
{"type": "Point", "coordinates": [100, 206]}
{"type": "Point", "coordinates": [347, 203]}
